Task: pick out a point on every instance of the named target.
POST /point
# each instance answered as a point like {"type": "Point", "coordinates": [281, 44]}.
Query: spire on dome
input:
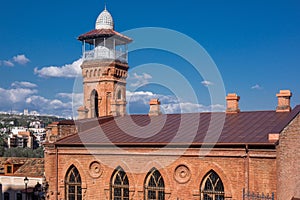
{"type": "Point", "coordinates": [105, 20]}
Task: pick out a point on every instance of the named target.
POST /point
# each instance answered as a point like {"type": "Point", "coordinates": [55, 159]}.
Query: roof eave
{"type": "Point", "coordinates": [172, 145]}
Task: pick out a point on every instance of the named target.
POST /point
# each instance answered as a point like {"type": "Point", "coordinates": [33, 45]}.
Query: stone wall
{"type": "Point", "coordinates": [288, 164]}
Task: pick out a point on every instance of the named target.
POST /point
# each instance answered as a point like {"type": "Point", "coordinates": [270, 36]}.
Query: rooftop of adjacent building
{"type": "Point", "coordinates": [32, 167]}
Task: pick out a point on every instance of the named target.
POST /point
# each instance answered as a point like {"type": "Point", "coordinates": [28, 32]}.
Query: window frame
{"type": "Point", "coordinates": [213, 180]}
{"type": "Point", "coordinates": [76, 183]}
{"type": "Point", "coordinates": [122, 186]}
{"type": "Point", "coordinates": [158, 190]}
{"type": "Point", "coordinates": [9, 169]}
{"type": "Point", "coordinates": [19, 196]}
{"type": "Point", "coordinates": [6, 196]}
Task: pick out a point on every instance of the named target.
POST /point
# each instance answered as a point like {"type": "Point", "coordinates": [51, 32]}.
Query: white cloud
{"type": "Point", "coordinates": [188, 107]}
{"type": "Point", "coordinates": [21, 59]}
{"type": "Point", "coordinates": [76, 98]}
{"type": "Point", "coordinates": [24, 95]}
{"type": "Point", "coordinates": [66, 71]}
{"type": "Point", "coordinates": [8, 63]}
{"type": "Point", "coordinates": [170, 104]}
{"type": "Point", "coordinates": [256, 87]}
{"type": "Point", "coordinates": [139, 80]}
{"type": "Point", "coordinates": [206, 83]}
{"type": "Point", "coordinates": [140, 96]}
{"type": "Point", "coordinates": [49, 106]}
{"type": "Point", "coordinates": [18, 59]}
{"type": "Point", "coordinates": [14, 97]}
{"type": "Point", "coordinates": [23, 84]}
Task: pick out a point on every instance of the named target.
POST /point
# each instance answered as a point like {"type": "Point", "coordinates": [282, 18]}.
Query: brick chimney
{"type": "Point", "coordinates": [232, 103]}
{"type": "Point", "coordinates": [154, 107]}
{"type": "Point", "coordinates": [82, 112]}
{"type": "Point", "coordinates": [284, 97]}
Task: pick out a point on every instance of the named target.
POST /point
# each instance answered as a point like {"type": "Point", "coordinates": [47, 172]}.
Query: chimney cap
{"type": "Point", "coordinates": [82, 108]}
{"type": "Point", "coordinates": [232, 103]}
{"type": "Point", "coordinates": [284, 93]}
{"type": "Point", "coordinates": [154, 107]}
{"type": "Point", "coordinates": [154, 102]}
{"type": "Point", "coordinates": [232, 96]}
{"type": "Point", "coordinates": [284, 104]}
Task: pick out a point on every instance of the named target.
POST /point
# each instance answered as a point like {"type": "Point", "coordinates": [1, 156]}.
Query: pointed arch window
{"type": "Point", "coordinates": [212, 187]}
{"type": "Point", "coordinates": [94, 103]}
{"type": "Point", "coordinates": [73, 184]}
{"type": "Point", "coordinates": [119, 185]}
{"type": "Point", "coordinates": [119, 94]}
{"type": "Point", "coordinates": [154, 186]}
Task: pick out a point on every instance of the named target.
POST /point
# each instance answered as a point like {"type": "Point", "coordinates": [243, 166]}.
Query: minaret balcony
{"type": "Point", "coordinates": [105, 54]}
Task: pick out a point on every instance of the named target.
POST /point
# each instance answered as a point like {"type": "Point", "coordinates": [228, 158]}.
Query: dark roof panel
{"type": "Point", "coordinates": [192, 128]}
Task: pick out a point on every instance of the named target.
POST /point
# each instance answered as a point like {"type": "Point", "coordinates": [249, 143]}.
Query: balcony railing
{"type": "Point", "coordinates": [102, 54]}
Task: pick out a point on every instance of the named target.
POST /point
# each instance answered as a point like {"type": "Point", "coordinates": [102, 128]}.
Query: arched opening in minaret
{"type": "Point", "coordinates": [108, 101]}
{"type": "Point", "coordinates": [119, 95]}
{"type": "Point", "coordinates": [94, 104]}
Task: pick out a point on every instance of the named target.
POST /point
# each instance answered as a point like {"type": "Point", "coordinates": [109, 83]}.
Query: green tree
{"type": "Point", "coordinates": [3, 143]}
{"type": "Point", "coordinates": [24, 152]}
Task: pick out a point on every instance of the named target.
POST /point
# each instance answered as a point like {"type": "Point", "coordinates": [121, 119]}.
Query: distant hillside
{"type": "Point", "coordinates": [24, 120]}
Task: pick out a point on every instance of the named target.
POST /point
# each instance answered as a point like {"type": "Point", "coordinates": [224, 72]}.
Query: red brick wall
{"type": "Point", "coordinates": [288, 153]}
{"type": "Point", "coordinates": [230, 164]}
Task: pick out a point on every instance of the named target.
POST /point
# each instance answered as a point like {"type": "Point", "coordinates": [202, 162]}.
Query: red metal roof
{"type": "Point", "coordinates": [181, 129]}
{"type": "Point", "coordinates": [99, 33]}
{"type": "Point", "coordinates": [66, 122]}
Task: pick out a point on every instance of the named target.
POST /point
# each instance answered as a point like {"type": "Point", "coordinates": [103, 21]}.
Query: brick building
{"type": "Point", "coordinates": [107, 154]}
{"type": "Point", "coordinates": [13, 171]}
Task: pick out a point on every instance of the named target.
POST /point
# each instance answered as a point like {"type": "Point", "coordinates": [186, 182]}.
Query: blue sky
{"type": "Point", "coordinates": [254, 44]}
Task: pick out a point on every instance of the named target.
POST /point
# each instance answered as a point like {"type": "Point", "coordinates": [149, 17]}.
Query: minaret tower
{"type": "Point", "coordinates": [104, 69]}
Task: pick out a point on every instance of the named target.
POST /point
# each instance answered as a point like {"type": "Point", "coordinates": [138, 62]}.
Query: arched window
{"type": "Point", "coordinates": [154, 186]}
{"type": "Point", "coordinates": [212, 187]}
{"type": "Point", "coordinates": [19, 196]}
{"type": "Point", "coordinates": [6, 196]}
{"type": "Point", "coordinates": [119, 94]}
{"type": "Point", "coordinates": [94, 104]}
{"type": "Point", "coordinates": [108, 72]}
{"type": "Point", "coordinates": [73, 184]}
{"type": "Point", "coordinates": [119, 185]}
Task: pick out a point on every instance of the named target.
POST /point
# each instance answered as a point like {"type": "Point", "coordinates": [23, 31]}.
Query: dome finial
{"type": "Point", "coordinates": [105, 20]}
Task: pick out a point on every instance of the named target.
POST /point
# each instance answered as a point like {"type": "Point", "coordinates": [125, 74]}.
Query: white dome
{"type": "Point", "coordinates": [105, 20]}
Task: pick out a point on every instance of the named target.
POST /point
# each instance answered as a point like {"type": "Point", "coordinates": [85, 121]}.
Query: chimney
{"type": "Point", "coordinates": [82, 112]}
{"type": "Point", "coordinates": [232, 103]}
{"type": "Point", "coordinates": [154, 107]}
{"type": "Point", "coordinates": [284, 97]}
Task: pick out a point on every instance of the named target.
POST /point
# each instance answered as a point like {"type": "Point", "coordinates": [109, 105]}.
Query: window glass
{"type": "Point", "coordinates": [154, 186]}
{"type": "Point", "coordinates": [73, 184]}
{"type": "Point", "coordinates": [212, 187]}
{"type": "Point", "coordinates": [119, 185]}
